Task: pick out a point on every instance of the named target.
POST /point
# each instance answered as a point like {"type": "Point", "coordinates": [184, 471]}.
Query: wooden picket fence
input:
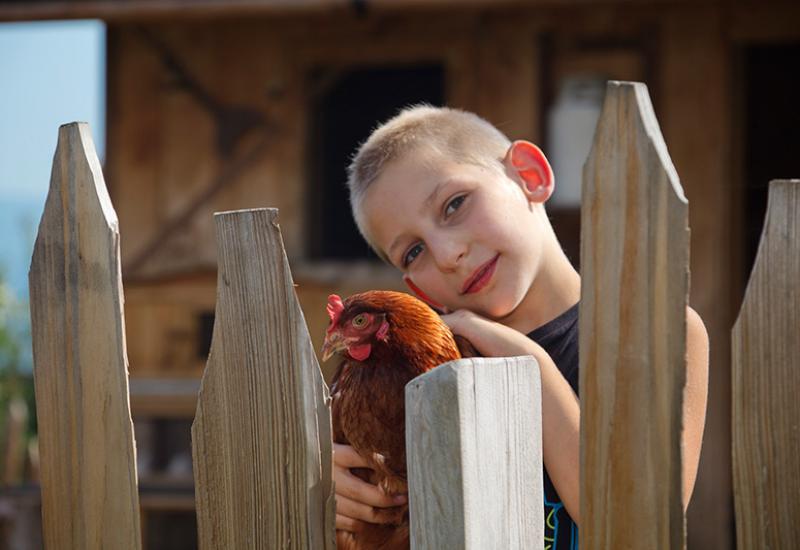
{"type": "Point", "coordinates": [262, 433]}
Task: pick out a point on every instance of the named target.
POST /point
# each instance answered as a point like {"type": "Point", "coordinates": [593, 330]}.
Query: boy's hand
{"type": "Point", "coordinates": [357, 500]}
{"type": "Point", "coordinates": [490, 338]}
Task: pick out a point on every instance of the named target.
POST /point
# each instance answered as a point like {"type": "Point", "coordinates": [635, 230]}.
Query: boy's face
{"type": "Point", "coordinates": [468, 236]}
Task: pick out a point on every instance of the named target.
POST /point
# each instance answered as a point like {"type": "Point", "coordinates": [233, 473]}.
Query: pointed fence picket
{"type": "Point", "coordinates": [262, 438]}
{"type": "Point", "coordinates": [766, 381]}
{"type": "Point", "coordinates": [634, 262]}
{"type": "Point", "coordinates": [88, 460]}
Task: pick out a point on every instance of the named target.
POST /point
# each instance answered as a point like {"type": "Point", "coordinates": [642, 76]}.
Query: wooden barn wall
{"type": "Point", "coordinates": [162, 152]}
{"type": "Point", "coordinates": [696, 126]}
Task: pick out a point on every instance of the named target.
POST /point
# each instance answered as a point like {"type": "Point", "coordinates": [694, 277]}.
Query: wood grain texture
{"type": "Point", "coordinates": [474, 444]}
{"type": "Point", "coordinates": [88, 461]}
{"type": "Point", "coordinates": [261, 439]}
{"type": "Point", "coordinates": [766, 381]}
{"type": "Point", "coordinates": [634, 258]}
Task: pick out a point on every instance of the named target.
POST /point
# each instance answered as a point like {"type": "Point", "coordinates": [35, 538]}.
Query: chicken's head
{"type": "Point", "coordinates": [354, 329]}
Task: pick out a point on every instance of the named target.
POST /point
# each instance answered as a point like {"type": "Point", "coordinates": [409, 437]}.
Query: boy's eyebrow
{"type": "Point", "coordinates": [390, 250]}
{"type": "Point", "coordinates": [431, 199]}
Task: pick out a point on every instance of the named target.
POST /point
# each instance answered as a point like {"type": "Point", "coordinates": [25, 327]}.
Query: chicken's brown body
{"type": "Point", "coordinates": [403, 338]}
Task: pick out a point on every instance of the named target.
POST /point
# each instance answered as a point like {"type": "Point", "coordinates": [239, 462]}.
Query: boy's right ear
{"type": "Point", "coordinates": [528, 163]}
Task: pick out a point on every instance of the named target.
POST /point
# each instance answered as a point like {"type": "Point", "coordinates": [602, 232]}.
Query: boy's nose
{"type": "Point", "coordinates": [449, 254]}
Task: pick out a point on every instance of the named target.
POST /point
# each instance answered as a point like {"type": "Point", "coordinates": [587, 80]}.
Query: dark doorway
{"type": "Point", "coordinates": [771, 131]}
{"type": "Point", "coordinates": [350, 103]}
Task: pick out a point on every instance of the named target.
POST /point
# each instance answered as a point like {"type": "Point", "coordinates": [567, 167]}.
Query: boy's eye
{"type": "Point", "coordinates": [454, 205]}
{"type": "Point", "coordinates": [412, 253]}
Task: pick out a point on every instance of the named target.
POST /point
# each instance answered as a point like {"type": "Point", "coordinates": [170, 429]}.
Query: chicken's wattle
{"type": "Point", "coordinates": [360, 352]}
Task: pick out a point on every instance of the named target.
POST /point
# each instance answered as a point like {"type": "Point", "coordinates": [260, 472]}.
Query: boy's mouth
{"type": "Point", "coordinates": [480, 277]}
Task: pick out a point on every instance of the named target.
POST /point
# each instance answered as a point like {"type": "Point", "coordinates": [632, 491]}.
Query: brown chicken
{"type": "Point", "coordinates": [387, 338]}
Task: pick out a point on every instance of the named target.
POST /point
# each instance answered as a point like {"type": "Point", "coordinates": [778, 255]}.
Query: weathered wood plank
{"type": "Point", "coordinates": [88, 461]}
{"type": "Point", "coordinates": [766, 382]}
{"type": "Point", "coordinates": [474, 445]}
{"type": "Point", "coordinates": [634, 259]}
{"type": "Point", "coordinates": [262, 433]}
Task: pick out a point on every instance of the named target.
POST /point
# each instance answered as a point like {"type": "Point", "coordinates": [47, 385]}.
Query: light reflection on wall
{"type": "Point", "coordinates": [571, 122]}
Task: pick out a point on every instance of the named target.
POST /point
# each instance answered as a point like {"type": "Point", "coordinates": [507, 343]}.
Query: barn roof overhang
{"type": "Point", "coordinates": [149, 10]}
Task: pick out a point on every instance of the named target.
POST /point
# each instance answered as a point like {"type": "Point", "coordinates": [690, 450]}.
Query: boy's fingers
{"type": "Point", "coordinates": [347, 457]}
{"type": "Point", "coordinates": [356, 510]}
{"type": "Point", "coordinates": [345, 523]}
{"type": "Point", "coordinates": [359, 490]}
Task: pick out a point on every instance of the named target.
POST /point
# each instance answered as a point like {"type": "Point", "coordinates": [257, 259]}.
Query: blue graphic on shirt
{"type": "Point", "coordinates": [554, 539]}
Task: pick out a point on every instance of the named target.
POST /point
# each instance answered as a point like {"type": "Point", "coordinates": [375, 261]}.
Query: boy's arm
{"type": "Point", "coordinates": [560, 407]}
{"type": "Point", "coordinates": [695, 396]}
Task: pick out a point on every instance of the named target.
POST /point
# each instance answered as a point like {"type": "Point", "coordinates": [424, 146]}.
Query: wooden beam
{"type": "Point", "coordinates": [154, 10]}
{"type": "Point", "coordinates": [634, 258]}
{"type": "Point", "coordinates": [474, 447]}
{"type": "Point", "coordinates": [766, 382]}
{"type": "Point", "coordinates": [164, 397]}
{"type": "Point", "coordinates": [150, 10]}
{"type": "Point", "coordinates": [88, 462]}
{"type": "Point", "coordinates": [261, 439]}
{"type": "Point", "coordinates": [225, 177]}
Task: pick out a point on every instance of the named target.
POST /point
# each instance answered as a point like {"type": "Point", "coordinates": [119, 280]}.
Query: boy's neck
{"type": "Point", "coordinates": [557, 288]}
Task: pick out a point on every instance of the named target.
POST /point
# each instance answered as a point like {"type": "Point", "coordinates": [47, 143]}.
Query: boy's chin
{"type": "Point", "coordinates": [496, 312]}
{"type": "Point", "coordinates": [504, 310]}
{"type": "Point", "coordinates": [497, 302]}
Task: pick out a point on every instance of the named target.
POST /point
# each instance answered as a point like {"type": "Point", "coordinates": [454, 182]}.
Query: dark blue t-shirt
{"type": "Point", "coordinates": [559, 338]}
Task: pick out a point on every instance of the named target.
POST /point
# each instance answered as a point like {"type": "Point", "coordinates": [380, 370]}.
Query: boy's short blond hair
{"type": "Point", "coordinates": [458, 135]}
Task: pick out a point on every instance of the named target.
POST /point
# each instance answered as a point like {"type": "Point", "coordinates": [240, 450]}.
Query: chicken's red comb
{"type": "Point", "coordinates": [335, 308]}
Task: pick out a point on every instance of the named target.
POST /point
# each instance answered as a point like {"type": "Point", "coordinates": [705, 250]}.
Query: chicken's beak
{"type": "Point", "coordinates": [334, 343]}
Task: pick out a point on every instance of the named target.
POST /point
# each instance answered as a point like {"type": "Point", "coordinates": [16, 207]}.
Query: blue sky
{"type": "Point", "coordinates": [52, 73]}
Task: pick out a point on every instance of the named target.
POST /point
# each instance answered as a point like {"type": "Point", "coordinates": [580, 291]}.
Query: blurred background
{"type": "Point", "coordinates": [204, 106]}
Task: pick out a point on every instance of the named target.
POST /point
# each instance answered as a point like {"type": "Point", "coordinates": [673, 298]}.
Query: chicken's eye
{"type": "Point", "coordinates": [360, 320]}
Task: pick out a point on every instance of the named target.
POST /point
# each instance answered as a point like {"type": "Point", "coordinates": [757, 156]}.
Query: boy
{"type": "Point", "coordinates": [445, 197]}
